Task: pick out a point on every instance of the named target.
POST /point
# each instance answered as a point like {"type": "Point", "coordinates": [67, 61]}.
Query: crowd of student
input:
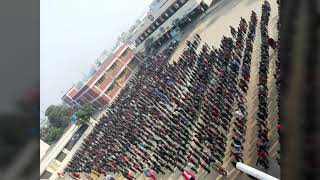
{"type": "Point", "coordinates": [177, 115]}
{"type": "Point", "coordinates": [241, 113]}
{"type": "Point", "coordinates": [263, 140]}
{"type": "Point", "coordinates": [277, 83]}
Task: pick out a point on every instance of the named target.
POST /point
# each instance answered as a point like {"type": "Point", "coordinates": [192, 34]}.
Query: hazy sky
{"type": "Point", "coordinates": [73, 34]}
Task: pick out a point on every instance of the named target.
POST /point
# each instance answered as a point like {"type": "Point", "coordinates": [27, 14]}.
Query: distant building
{"type": "Point", "coordinates": [105, 84]}
{"type": "Point", "coordinates": [160, 21]}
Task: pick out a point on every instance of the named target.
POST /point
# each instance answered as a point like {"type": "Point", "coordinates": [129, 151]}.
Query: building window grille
{"type": "Point", "coordinates": [110, 88]}
{"type": "Point", "coordinates": [138, 41]}
{"type": "Point", "coordinates": [182, 1]}
{"type": "Point", "coordinates": [171, 10]}
{"type": "Point", "coordinates": [161, 19]}
{"type": "Point", "coordinates": [102, 78]}
{"type": "Point", "coordinates": [121, 75]}
{"type": "Point", "coordinates": [124, 54]}
{"type": "Point", "coordinates": [61, 156]}
{"type": "Point", "coordinates": [46, 175]}
{"type": "Point", "coordinates": [176, 5]}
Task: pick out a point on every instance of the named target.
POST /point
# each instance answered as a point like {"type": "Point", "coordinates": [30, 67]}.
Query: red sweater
{"type": "Point", "coordinates": [187, 175]}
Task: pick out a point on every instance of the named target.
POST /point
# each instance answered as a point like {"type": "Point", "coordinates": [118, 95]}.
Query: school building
{"type": "Point", "coordinates": [105, 84]}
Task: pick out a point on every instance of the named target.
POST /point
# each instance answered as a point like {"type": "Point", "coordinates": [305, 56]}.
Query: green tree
{"type": "Point", "coordinates": [51, 134]}
{"type": "Point", "coordinates": [58, 115]}
{"type": "Point", "coordinates": [84, 113]}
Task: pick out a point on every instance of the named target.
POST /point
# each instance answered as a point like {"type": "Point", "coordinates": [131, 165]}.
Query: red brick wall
{"type": "Point", "coordinates": [106, 82]}
{"type": "Point", "coordinates": [81, 91]}
{"type": "Point", "coordinates": [127, 57]}
{"type": "Point", "coordinates": [94, 91]}
{"type": "Point", "coordinates": [87, 96]}
{"type": "Point", "coordinates": [84, 99]}
{"type": "Point", "coordinates": [73, 91]}
{"type": "Point", "coordinates": [103, 100]}
{"type": "Point", "coordinates": [134, 63]}
{"type": "Point", "coordinates": [67, 100]}
{"type": "Point", "coordinates": [96, 104]}
{"type": "Point", "coordinates": [125, 77]}
{"type": "Point", "coordinates": [114, 90]}
{"type": "Point", "coordinates": [119, 65]}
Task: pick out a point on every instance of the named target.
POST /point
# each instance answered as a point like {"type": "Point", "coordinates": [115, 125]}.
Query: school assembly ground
{"type": "Point", "coordinates": [211, 28]}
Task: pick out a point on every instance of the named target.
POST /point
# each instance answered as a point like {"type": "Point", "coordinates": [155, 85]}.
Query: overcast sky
{"type": "Point", "coordinates": [73, 34]}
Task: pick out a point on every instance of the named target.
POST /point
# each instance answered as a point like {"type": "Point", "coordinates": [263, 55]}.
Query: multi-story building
{"type": "Point", "coordinates": [162, 18]}
{"type": "Point", "coordinates": [104, 85]}
{"type": "Point", "coordinates": [54, 158]}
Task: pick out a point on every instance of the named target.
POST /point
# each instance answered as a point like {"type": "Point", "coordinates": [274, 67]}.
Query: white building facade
{"type": "Point", "coordinates": [43, 148]}
{"type": "Point", "coordinates": [162, 17]}
{"type": "Point", "coordinates": [53, 160]}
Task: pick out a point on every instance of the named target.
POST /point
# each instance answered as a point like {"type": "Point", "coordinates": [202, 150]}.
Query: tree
{"type": "Point", "coordinates": [84, 113]}
{"type": "Point", "coordinates": [58, 115]}
{"type": "Point", "coordinates": [51, 134]}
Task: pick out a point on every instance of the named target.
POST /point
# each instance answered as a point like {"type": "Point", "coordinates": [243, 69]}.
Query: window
{"type": "Point", "coordinates": [124, 53]}
{"type": "Point", "coordinates": [84, 99]}
{"type": "Point", "coordinates": [176, 5]}
{"type": "Point", "coordinates": [77, 135]}
{"type": "Point", "coordinates": [182, 1]}
{"type": "Point", "coordinates": [164, 17]}
{"type": "Point", "coordinates": [145, 34]}
{"type": "Point", "coordinates": [102, 78]}
{"type": "Point", "coordinates": [113, 66]}
{"type": "Point", "coordinates": [46, 175]}
{"type": "Point", "coordinates": [121, 74]}
{"type": "Point", "coordinates": [61, 156]}
{"type": "Point", "coordinates": [138, 41]}
{"type": "Point", "coordinates": [161, 19]}
{"type": "Point", "coordinates": [157, 23]}
{"type": "Point", "coordinates": [149, 30]}
{"type": "Point", "coordinates": [166, 14]}
{"type": "Point", "coordinates": [171, 10]}
{"type": "Point", "coordinates": [110, 88]}
{"type": "Point", "coordinates": [80, 101]}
